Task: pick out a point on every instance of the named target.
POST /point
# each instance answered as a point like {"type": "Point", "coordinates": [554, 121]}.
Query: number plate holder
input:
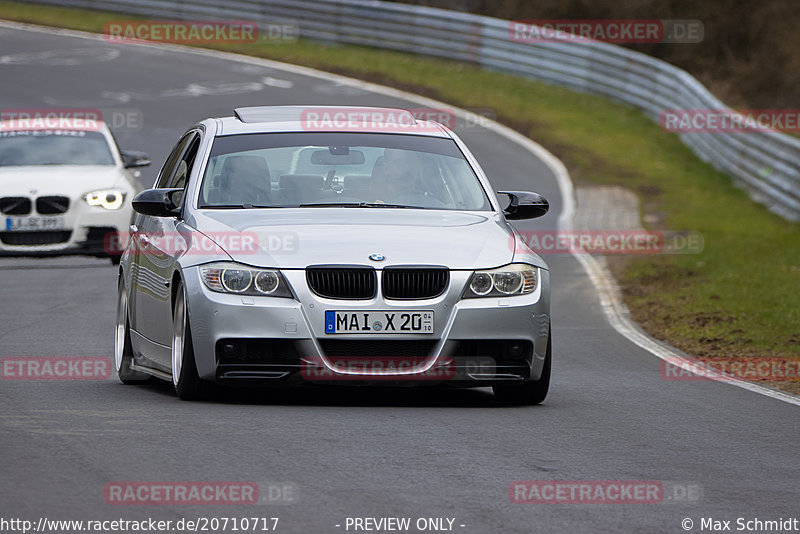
{"type": "Point", "coordinates": [379, 322]}
{"type": "Point", "coordinates": [27, 224]}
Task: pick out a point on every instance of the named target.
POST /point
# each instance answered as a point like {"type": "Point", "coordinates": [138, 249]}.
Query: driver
{"type": "Point", "coordinates": [396, 173]}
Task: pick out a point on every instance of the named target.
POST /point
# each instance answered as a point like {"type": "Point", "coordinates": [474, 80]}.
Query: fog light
{"type": "Point", "coordinates": [230, 349]}
{"type": "Point", "coordinates": [516, 349]}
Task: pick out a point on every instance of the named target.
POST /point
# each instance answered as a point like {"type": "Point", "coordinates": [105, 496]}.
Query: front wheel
{"type": "Point", "coordinates": [188, 385]}
{"type": "Point", "coordinates": [123, 353]}
{"type": "Point", "coordinates": [529, 393]}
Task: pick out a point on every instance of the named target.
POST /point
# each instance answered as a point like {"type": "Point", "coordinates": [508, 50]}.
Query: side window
{"type": "Point", "coordinates": [185, 165]}
{"type": "Point", "coordinates": [169, 168]}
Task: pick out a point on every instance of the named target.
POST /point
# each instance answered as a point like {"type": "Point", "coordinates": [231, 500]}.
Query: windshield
{"type": "Point", "coordinates": [340, 169]}
{"type": "Point", "coordinates": [50, 147]}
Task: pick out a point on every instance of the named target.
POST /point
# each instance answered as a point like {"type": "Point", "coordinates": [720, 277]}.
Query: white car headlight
{"type": "Point", "coordinates": [243, 280]}
{"type": "Point", "coordinates": [110, 199]}
{"type": "Point", "coordinates": [512, 279]}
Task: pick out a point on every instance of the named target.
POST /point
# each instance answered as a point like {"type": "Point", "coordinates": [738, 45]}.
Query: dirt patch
{"type": "Point", "coordinates": [659, 319]}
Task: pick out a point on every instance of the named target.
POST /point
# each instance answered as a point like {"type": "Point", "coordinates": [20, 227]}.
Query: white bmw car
{"type": "Point", "coordinates": [65, 191]}
{"type": "Point", "coordinates": [277, 248]}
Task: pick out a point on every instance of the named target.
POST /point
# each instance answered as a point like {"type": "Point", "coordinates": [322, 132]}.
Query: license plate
{"type": "Point", "coordinates": [379, 322]}
{"type": "Point", "coordinates": [14, 224]}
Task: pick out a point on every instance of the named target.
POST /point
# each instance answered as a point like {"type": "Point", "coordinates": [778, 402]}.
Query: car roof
{"type": "Point", "coordinates": [269, 119]}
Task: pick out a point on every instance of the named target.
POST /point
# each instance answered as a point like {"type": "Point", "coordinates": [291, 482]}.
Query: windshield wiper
{"type": "Point", "coordinates": [240, 206]}
{"type": "Point", "coordinates": [330, 205]}
{"type": "Point", "coordinates": [377, 205]}
{"type": "Point", "coordinates": [356, 205]}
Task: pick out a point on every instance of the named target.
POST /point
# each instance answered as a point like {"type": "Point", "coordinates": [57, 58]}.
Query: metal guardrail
{"type": "Point", "coordinates": [766, 164]}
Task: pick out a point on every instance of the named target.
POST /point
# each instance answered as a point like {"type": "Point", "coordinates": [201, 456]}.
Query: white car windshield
{"type": "Point", "coordinates": [53, 147]}
{"type": "Point", "coordinates": [340, 169]}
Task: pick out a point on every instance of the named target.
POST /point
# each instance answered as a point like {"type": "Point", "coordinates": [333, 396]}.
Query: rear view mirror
{"type": "Point", "coordinates": [524, 205]}
{"type": "Point", "coordinates": [337, 155]}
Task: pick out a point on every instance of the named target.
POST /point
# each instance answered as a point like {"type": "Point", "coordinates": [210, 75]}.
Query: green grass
{"type": "Point", "coordinates": [739, 297]}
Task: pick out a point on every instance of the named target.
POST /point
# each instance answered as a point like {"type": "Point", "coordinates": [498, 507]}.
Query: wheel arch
{"type": "Point", "coordinates": [177, 278]}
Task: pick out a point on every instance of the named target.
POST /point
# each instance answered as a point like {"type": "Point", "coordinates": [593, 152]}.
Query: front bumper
{"type": "Point", "coordinates": [87, 230]}
{"type": "Point", "coordinates": [267, 340]}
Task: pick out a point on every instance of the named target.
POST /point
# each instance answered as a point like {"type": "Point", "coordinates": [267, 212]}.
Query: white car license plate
{"type": "Point", "coordinates": [379, 322]}
{"type": "Point", "coordinates": [14, 224]}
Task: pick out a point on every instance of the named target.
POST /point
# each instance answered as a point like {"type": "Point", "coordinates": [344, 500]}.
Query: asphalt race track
{"type": "Point", "coordinates": [351, 452]}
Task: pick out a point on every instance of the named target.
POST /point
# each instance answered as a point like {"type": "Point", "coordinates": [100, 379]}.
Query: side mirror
{"type": "Point", "coordinates": [159, 202]}
{"type": "Point", "coordinates": [131, 159]}
{"type": "Point", "coordinates": [524, 205]}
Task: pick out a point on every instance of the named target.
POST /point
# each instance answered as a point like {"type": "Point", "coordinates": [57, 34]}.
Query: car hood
{"type": "Point", "coordinates": [70, 180]}
{"type": "Point", "coordinates": [296, 238]}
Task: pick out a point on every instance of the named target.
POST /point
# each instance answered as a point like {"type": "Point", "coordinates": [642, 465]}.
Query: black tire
{"type": "Point", "coordinates": [188, 384]}
{"type": "Point", "coordinates": [115, 259]}
{"type": "Point", "coordinates": [123, 353]}
{"type": "Point", "coordinates": [529, 393]}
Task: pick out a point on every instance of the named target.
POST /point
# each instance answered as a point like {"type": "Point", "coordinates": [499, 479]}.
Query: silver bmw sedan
{"type": "Point", "coordinates": [308, 245]}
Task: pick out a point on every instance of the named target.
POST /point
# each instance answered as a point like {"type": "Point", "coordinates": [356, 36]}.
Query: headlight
{"type": "Point", "coordinates": [110, 199]}
{"type": "Point", "coordinates": [243, 280]}
{"type": "Point", "coordinates": [513, 279]}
